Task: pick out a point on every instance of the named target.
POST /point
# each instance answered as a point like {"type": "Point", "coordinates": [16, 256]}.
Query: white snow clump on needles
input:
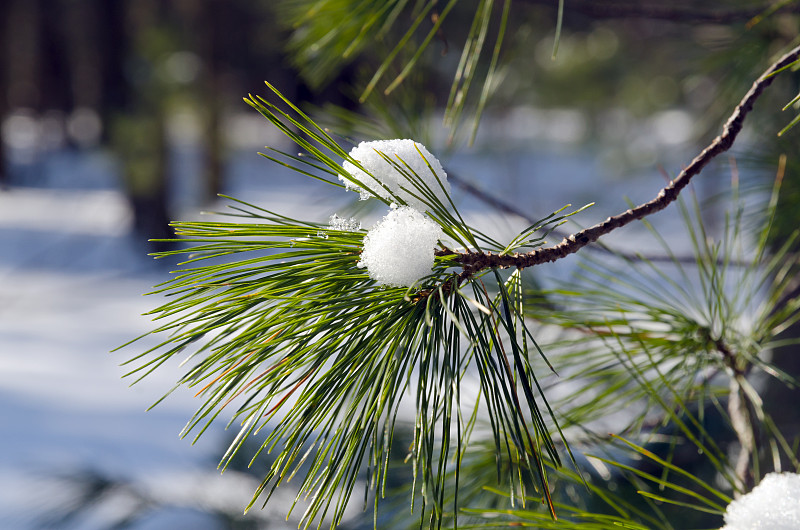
{"type": "Point", "coordinates": [398, 250]}
{"type": "Point", "coordinates": [774, 504]}
{"type": "Point", "coordinates": [405, 153]}
{"type": "Point", "coordinates": [344, 224]}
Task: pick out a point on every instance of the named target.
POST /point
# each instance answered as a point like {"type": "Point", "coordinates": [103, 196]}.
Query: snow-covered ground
{"type": "Point", "coordinates": [71, 287]}
{"type": "Point", "coordinates": [72, 281]}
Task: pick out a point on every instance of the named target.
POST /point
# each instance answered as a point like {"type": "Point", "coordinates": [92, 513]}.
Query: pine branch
{"type": "Point", "coordinates": [291, 327]}
{"type": "Point", "coordinates": [473, 262]}
{"type": "Point", "coordinates": [509, 209]}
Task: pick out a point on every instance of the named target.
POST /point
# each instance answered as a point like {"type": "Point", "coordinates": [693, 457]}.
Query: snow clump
{"type": "Point", "coordinates": [405, 154]}
{"type": "Point", "coordinates": [399, 249]}
{"type": "Point", "coordinates": [774, 504]}
{"type": "Point", "coordinates": [344, 224]}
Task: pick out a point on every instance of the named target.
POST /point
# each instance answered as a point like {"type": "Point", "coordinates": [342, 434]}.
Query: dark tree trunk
{"type": "Point", "coordinates": [4, 82]}
{"type": "Point", "coordinates": [139, 130]}
{"type": "Point", "coordinates": [81, 24]}
{"type": "Point", "coordinates": [23, 51]}
{"type": "Point", "coordinates": [115, 92]}
{"type": "Point", "coordinates": [214, 17]}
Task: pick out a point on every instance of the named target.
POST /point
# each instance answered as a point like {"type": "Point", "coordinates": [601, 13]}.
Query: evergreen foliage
{"type": "Point", "coordinates": [278, 324]}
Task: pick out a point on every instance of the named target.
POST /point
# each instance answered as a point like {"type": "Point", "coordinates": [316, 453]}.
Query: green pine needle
{"type": "Point", "coordinates": [283, 333]}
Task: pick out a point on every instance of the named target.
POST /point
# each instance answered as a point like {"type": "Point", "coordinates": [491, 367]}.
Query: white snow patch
{"type": "Point", "coordinates": [84, 212]}
{"type": "Point", "coordinates": [406, 153]}
{"type": "Point", "coordinates": [774, 504]}
{"type": "Point", "coordinates": [398, 250]}
{"type": "Point", "coordinates": [344, 224]}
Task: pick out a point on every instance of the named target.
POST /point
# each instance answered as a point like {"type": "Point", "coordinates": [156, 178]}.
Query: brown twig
{"type": "Point", "coordinates": [742, 424]}
{"type": "Point", "coordinates": [739, 414]}
{"type": "Point", "coordinates": [473, 262]}
{"type": "Point", "coordinates": [508, 208]}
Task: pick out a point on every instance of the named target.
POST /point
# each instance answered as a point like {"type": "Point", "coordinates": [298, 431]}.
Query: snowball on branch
{"type": "Point", "coordinates": [772, 505]}
{"type": "Point", "coordinates": [405, 153]}
{"type": "Point", "coordinates": [398, 250]}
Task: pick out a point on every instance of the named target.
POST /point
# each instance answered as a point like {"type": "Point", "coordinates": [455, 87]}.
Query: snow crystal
{"type": "Point", "coordinates": [404, 153]}
{"type": "Point", "coordinates": [774, 504]}
{"type": "Point", "coordinates": [398, 250]}
{"type": "Point", "coordinates": [346, 225]}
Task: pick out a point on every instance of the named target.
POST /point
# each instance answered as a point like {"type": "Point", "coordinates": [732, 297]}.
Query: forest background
{"type": "Point", "coordinates": [143, 99]}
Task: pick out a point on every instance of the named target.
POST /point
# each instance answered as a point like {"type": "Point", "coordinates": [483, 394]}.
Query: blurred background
{"type": "Point", "coordinates": [120, 115]}
{"type": "Point", "coordinates": [117, 117]}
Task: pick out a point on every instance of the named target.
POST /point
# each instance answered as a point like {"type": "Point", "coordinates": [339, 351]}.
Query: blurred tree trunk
{"type": "Point", "coordinates": [22, 46]}
{"type": "Point", "coordinates": [53, 72]}
{"type": "Point", "coordinates": [23, 49]}
{"type": "Point", "coordinates": [115, 91]}
{"type": "Point", "coordinates": [139, 134]}
{"type": "Point", "coordinates": [213, 23]}
{"type": "Point", "coordinates": [4, 82]}
{"type": "Point", "coordinates": [81, 24]}
{"type": "Point", "coordinates": [206, 30]}
{"type": "Point", "coordinates": [147, 179]}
